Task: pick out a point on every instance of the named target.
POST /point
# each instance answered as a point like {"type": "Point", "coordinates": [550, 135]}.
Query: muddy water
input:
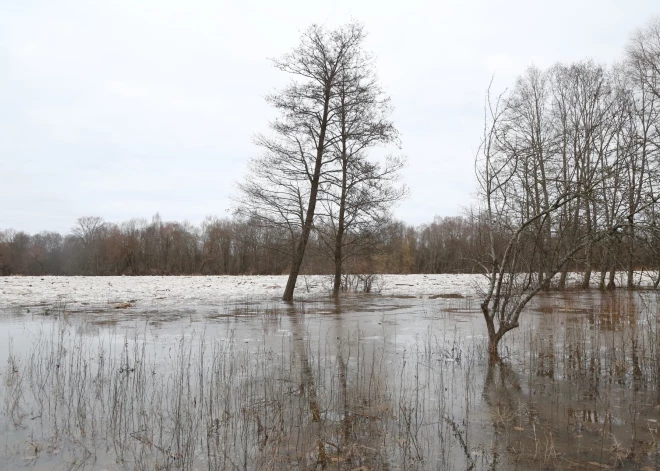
{"type": "Point", "coordinates": [366, 383]}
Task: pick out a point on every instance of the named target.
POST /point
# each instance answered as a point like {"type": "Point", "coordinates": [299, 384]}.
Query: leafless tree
{"type": "Point", "coordinates": [358, 192]}
{"type": "Point", "coordinates": [527, 134]}
{"type": "Point", "coordinates": [283, 184]}
{"type": "Point", "coordinates": [643, 72]}
{"type": "Point", "coordinates": [14, 252]}
{"type": "Point", "coordinates": [615, 154]}
{"type": "Point", "coordinates": [89, 231]}
{"type": "Point", "coordinates": [520, 268]}
{"type": "Point", "coordinates": [644, 53]}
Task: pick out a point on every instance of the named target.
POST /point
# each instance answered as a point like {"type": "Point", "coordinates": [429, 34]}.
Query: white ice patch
{"type": "Point", "coordinates": [157, 292]}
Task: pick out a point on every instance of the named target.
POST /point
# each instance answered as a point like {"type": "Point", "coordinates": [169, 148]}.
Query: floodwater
{"type": "Point", "coordinates": [369, 382]}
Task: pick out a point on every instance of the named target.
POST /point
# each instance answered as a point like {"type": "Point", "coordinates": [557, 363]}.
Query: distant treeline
{"type": "Point", "coordinates": [243, 247]}
{"type": "Point", "coordinates": [226, 247]}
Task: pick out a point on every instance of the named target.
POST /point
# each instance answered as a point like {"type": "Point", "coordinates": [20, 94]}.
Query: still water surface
{"type": "Point", "coordinates": [369, 382]}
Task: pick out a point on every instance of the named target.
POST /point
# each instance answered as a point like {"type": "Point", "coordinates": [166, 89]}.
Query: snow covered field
{"type": "Point", "coordinates": [162, 291]}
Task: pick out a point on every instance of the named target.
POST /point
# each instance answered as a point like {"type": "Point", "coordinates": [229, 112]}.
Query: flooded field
{"type": "Point", "coordinates": [369, 382]}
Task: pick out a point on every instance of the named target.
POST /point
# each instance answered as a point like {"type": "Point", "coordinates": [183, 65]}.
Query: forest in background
{"type": "Point", "coordinates": [232, 246]}
{"type": "Point", "coordinates": [229, 246]}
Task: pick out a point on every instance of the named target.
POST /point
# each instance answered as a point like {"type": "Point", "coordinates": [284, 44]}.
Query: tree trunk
{"type": "Point", "coordinates": [336, 286]}
{"type": "Point", "coordinates": [611, 283]}
{"type": "Point", "coordinates": [587, 269]}
{"type": "Point", "coordinates": [631, 259]}
{"type": "Point", "coordinates": [493, 336]}
{"type": "Point", "coordinates": [340, 226]}
{"type": "Point", "coordinates": [493, 353]}
{"type": "Point", "coordinates": [588, 251]}
{"type": "Point", "coordinates": [562, 278]}
{"type": "Point", "coordinates": [299, 254]}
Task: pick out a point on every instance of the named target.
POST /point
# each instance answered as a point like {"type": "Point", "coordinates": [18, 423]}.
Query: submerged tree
{"type": "Point", "coordinates": [283, 184]}
{"type": "Point", "coordinates": [523, 254]}
{"type": "Point", "coordinates": [643, 73]}
{"type": "Point", "coordinates": [358, 192]}
{"type": "Point", "coordinates": [329, 114]}
{"type": "Point", "coordinates": [568, 174]}
{"type": "Point", "coordinates": [357, 210]}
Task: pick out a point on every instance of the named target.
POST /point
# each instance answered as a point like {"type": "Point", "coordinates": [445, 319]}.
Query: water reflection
{"type": "Point", "coordinates": [364, 382]}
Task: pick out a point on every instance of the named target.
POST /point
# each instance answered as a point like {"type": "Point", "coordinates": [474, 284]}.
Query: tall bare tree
{"type": "Point", "coordinates": [284, 183]}
{"type": "Point", "coordinates": [527, 134]}
{"type": "Point", "coordinates": [644, 53]}
{"type": "Point", "coordinates": [643, 70]}
{"type": "Point", "coordinates": [359, 191]}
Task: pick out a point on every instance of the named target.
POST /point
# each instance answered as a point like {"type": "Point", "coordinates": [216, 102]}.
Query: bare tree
{"type": "Point", "coordinates": [89, 231]}
{"type": "Point", "coordinates": [14, 252]}
{"type": "Point", "coordinates": [643, 71]}
{"type": "Point", "coordinates": [513, 271]}
{"type": "Point", "coordinates": [283, 185]}
{"type": "Point", "coordinates": [527, 134]}
{"type": "Point", "coordinates": [615, 153]}
{"type": "Point", "coordinates": [644, 53]}
{"type": "Point", "coordinates": [359, 192]}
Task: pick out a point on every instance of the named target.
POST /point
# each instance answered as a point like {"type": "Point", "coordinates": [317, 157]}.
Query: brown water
{"type": "Point", "coordinates": [367, 383]}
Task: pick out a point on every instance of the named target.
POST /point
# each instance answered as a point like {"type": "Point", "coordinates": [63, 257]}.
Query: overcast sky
{"type": "Point", "coordinates": [122, 109]}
